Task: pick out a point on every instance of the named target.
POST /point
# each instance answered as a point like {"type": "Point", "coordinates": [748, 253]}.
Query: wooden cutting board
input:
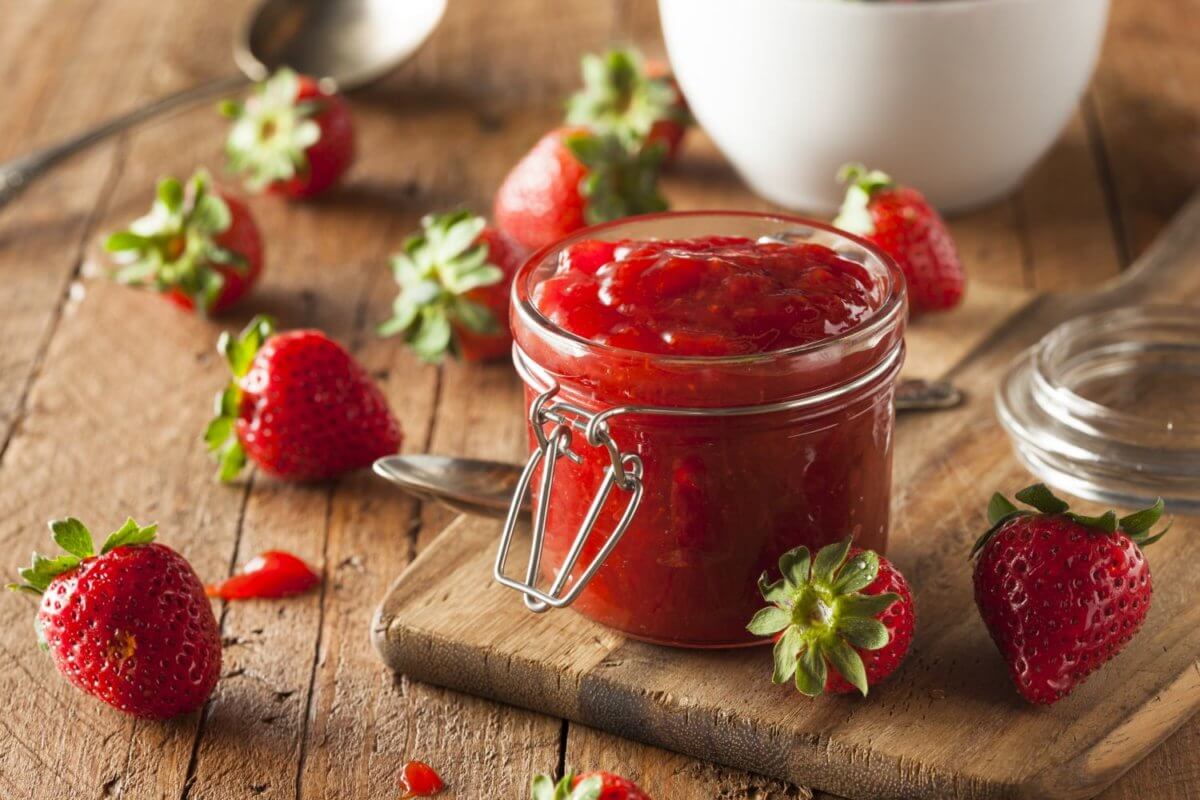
{"type": "Point", "coordinates": [948, 724]}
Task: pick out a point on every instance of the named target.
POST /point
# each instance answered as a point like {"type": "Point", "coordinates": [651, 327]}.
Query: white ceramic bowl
{"type": "Point", "coordinates": [956, 97]}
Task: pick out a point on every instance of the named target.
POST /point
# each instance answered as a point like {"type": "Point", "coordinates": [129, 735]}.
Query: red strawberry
{"type": "Point", "coordinates": [1061, 593]}
{"type": "Point", "coordinates": [454, 281]}
{"type": "Point", "coordinates": [902, 224]}
{"type": "Point", "coordinates": [637, 100]}
{"type": "Point", "coordinates": [571, 179]}
{"type": "Point", "coordinates": [848, 609]}
{"type": "Point", "coordinates": [129, 625]}
{"type": "Point", "coordinates": [299, 406]}
{"type": "Point", "coordinates": [198, 245]}
{"type": "Point", "coordinates": [589, 786]}
{"type": "Point", "coordinates": [291, 137]}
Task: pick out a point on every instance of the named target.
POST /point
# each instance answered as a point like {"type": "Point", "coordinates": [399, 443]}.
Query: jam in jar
{"type": "Point", "coordinates": [728, 378]}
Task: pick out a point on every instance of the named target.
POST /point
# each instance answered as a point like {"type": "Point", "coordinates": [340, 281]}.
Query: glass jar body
{"type": "Point", "coordinates": [742, 458]}
{"type": "Point", "coordinates": [723, 499]}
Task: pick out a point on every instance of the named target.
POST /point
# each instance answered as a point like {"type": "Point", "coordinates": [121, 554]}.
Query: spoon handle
{"type": "Point", "coordinates": [19, 172]}
{"type": "Point", "coordinates": [914, 394]}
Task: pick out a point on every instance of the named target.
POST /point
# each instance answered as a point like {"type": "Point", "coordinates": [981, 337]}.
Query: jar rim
{"type": "Point", "coordinates": [880, 318]}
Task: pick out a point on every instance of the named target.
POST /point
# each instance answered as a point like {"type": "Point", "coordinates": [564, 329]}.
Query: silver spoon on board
{"type": "Point", "coordinates": [485, 488]}
{"type": "Point", "coordinates": [350, 42]}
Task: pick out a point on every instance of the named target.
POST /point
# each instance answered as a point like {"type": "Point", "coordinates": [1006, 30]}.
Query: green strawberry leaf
{"type": "Point", "coordinates": [129, 534]}
{"type": "Point", "coordinates": [786, 654]}
{"type": "Point", "coordinates": [857, 573]}
{"type": "Point", "coordinates": [811, 671]}
{"type": "Point", "coordinates": [435, 270]}
{"type": "Point", "coordinates": [1140, 522]}
{"type": "Point", "coordinates": [73, 536]}
{"type": "Point", "coordinates": [865, 633]}
{"type": "Point", "coordinates": [769, 620]}
{"type": "Point", "coordinates": [170, 194]}
{"type": "Point", "coordinates": [829, 560]}
{"type": "Point", "coordinates": [795, 565]}
{"type": "Point", "coordinates": [1106, 522]}
{"type": "Point", "coordinates": [619, 98]}
{"type": "Point", "coordinates": [1040, 497]}
{"type": "Point", "coordinates": [174, 246]}
{"type": "Point", "coordinates": [220, 435]}
{"type": "Point", "coordinates": [474, 316]}
{"type": "Point", "coordinates": [1000, 509]}
{"type": "Point", "coordinates": [867, 605]}
{"type": "Point", "coordinates": [542, 788]}
{"type": "Point", "coordinates": [776, 593]}
{"type": "Point", "coordinates": [848, 663]}
{"type": "Point", "coordinates": [42, 571]}
{"type": "Point", "coordinates": [272, 131]}
{"type": "Point", "coordinates": [620, 182]}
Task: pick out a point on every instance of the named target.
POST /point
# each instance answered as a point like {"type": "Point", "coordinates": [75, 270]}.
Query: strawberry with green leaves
{"type": "Point", "coordinates": [573, 178]}
{"type": "Point", "coordinates": [1061, 593]}
{"type": "Point", "coordinates": [290, 137]}
{"type": "Point", "coordinates": [129, 625]}
{"type": "Point", "coordinates": [842, 621]}
{"type": "Point", "coordinates": [454, 279]}
{"type": "Point", "coordinates": [199, 246]}
{"type": "Point", "coordinates": [589, 786]}
{"type": "Point", "coordinates": [899, 221]}
{"type": "Point", "coordinates": [638, 100]}
{"type": "Point", "coordinates": [299, 406]}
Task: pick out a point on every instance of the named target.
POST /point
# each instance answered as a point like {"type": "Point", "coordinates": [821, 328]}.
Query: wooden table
{"type": "Point", "coordinates": [104, 390]}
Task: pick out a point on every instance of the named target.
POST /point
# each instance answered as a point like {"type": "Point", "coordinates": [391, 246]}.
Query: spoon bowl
{"type": "Point", "coordinates": [346, 42]}
{"type": "Point", "coordinates": [351, 42]}
{"type": "Point", "coordinates": [483, 488]}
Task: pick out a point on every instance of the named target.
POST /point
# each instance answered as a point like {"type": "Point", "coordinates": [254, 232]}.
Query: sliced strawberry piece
{"type": "Point", "coordinates": [454, 279]}
{"type": "Point", "coordinates": [198, 245]}
{"type": "Point", "coordinates": [274, 573]}
{"type": "Point", "coordinates": [291, 137]}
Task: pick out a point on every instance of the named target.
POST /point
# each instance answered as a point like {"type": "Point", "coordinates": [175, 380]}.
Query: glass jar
{"type": "Point", "coordinates": [1107, 406]}
{"type": "Point", "coordinates": [664, 486]}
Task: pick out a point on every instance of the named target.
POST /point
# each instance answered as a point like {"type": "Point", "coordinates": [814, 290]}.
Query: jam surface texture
{"type": "Point", "coordinates": [709, 296]}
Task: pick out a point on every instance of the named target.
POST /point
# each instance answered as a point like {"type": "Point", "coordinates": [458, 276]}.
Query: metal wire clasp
{"type": "Point", "coordinates": [624, 471]}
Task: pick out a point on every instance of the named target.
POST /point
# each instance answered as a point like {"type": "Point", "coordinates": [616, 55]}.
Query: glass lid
{"type": "Point", "coordinates": [1107, 406]}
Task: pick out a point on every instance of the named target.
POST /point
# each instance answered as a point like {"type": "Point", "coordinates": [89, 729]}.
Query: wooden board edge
{"type": "Point", "coordinates": [1147, 727]}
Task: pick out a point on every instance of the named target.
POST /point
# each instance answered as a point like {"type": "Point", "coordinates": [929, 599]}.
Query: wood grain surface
{"type": "Point", "coordinates": [948, 725]}
{"type": "Point", "coordinates": [103, 390]}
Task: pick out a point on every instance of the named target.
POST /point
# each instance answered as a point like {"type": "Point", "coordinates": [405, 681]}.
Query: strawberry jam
{"type": "Point", "coordinates": [709, 296]}
{"type": "Point", "coordinates": [270, 574]}
{"type": "Point", "coordinates": [766, 350]}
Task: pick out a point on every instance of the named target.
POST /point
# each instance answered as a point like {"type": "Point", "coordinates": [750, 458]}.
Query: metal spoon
{"type": "Point", "coordinates": [349, 42]}
{"type": "Point", "coordinates": [485, 488]}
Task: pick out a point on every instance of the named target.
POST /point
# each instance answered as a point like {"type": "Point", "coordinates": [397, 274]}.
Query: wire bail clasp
{"type": "Point", "coordinates": [624, 471]}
